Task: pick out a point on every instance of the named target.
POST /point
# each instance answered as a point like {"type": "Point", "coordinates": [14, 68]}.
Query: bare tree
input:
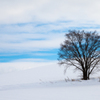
{"type": "Point", "coordinates": [82, 50]}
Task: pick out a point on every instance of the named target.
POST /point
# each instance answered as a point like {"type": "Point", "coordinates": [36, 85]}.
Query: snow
{"type": "Point", "coordinates": [48, 83]}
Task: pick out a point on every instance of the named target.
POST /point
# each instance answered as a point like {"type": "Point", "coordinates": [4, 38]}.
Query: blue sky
{"type": "Point", "coordinates": [32, 30]}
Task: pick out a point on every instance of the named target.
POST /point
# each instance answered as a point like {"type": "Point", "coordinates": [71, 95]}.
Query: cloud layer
{"type": "Point", "coordinates": [30, 27]}
{"type": "Point", "coordinates": [22, 11]}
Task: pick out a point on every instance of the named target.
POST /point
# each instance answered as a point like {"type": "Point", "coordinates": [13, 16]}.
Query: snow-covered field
{"type": "Point", "coordinates": [47, 83]}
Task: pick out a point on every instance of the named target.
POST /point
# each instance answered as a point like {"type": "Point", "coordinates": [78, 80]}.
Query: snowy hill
{"type": "Point", "coordinates": [47, 83]}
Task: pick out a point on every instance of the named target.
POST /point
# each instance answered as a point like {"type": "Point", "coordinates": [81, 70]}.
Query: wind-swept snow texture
{"type": "Point", "coordinates": [47, 83]}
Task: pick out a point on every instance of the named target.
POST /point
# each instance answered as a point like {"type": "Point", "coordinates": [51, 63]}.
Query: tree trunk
{"type": "Point", "coordinates": [85, 76]}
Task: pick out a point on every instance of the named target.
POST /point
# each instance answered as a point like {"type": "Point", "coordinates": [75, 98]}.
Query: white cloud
{"type": "Point", "coordinates": [48, 10]}
{"type": "Point", "coordinates": [24, 45]}
{"type": "Point", "coordinates": [31, 37]}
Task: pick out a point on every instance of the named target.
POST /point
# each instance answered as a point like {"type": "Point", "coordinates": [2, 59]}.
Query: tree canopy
{"type": "Point", "coordinates": [82, 50]}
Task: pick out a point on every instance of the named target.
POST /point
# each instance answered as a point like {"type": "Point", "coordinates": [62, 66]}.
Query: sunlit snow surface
{"type": "Point", "coordinates": [48, 83]}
